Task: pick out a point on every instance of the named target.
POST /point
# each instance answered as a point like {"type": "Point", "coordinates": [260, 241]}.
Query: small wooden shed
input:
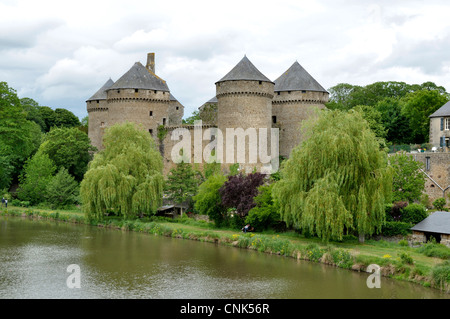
{"type": "Point", "coordinates": [437, 225]}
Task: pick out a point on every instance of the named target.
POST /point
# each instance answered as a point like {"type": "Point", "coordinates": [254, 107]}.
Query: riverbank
{"type": "Point", "coordinates": [397, 260]}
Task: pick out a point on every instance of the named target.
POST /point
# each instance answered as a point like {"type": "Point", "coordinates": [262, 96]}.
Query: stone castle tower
{"type": "Point", "coordinates": [245, 99]}
{"type": "Point", "coordinates": [139, 96]}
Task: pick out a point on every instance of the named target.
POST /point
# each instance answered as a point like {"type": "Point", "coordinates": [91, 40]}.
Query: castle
{"type": "Point", "coordinates": [245, 98]}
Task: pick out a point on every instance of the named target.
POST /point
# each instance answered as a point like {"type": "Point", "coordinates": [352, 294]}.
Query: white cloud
{"type": "Point", "coordinates": [59, 53]}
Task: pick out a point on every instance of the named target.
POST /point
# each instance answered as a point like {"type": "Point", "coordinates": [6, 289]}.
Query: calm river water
{"type": "Point", "coordinates": [34, 257]}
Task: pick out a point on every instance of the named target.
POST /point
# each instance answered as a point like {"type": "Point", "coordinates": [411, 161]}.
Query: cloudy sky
{"type": "Point", "coordinates": [60, 53]}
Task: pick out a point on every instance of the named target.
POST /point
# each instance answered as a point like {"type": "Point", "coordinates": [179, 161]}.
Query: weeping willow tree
{"type": "Point", "coordinates": [338, 180]}
{"type": "Point", "coordinates": [125, 177]}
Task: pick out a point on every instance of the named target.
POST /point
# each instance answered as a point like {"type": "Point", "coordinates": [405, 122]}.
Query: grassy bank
{"type": "Point", "coordinates": [428, 265]}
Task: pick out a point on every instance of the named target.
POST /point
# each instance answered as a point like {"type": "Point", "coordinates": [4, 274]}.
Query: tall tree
{"type": "Point", "coordinates": [395, 123]}
{"type": "Point", "coordinates": [126, 176]}
{"type": "Point", "coordinates": [19, 137]}
{"type": "Point", "coordinates": [38, 173]}
{"type": "Point", "coordinates": [208, 200]}
{"type": "Point", "coordinates": [65, 118]}
{"type": "Point", "coordinates": [69, 148]}
{"type": "Point", "coordinates": [181, 184]}
{"type": "Point", "coordinates": [337, 180]}
{"type": "Point", "coordinates": [62, 190]}
{"type": "Point", "coordinates": [239, 192]}
{"type": "Point", "coordinates": [417, 107]}
{"type": "Point", "coordinates": [408, 180]}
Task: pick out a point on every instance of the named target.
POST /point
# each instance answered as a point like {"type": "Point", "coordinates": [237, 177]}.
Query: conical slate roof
{"type": "Point", "coordinates": [296, 78]}
{"type": "Point", "coordinates": [442, 111]}
{"type": "Point", "coordinates": [101, 93]}
{"type": "Point", "coordinates": [244, 70]}
{"type": "Point", "coordinates": [138, 77]}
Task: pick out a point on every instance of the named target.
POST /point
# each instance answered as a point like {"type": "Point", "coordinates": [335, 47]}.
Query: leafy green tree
{"type": "Point", "coordinates": [337, 180]}
{"type": "Point", "coordinates": [48, 116]}
{"type": "Point", "coordinates": [65, 118]}
{"type": "Point", "coordinates": [31, 108]}
{"type": "Point", "coordinates": [373, 117]}
{"type": "Point", "coordinates": [417, 107]}
{"type": "Point", "coordinates": [208, 200]}
{"type": "Point", "coordinates": [266, 212]}
{"type": "Point", "coordinates": [62, 190]}
{"type": "Point", "coordinates": [191, 119]}
{"type": "Point", "coordinates": [341, 96]}
{"type": "Point", "coordinates": [126, 176]}
{"type": "Point", "coordinates": [181, 184]}
{"type": "Point", "coordinates": [69, 148]}
{"type": "Point", "coordinates": [38, 173]}
{"type": "Point", "coordinates": [408, 181]}
{"type": "Point", "coordinates": [19, 137]}
{"type": "Point", "coordinates": [395, 123]}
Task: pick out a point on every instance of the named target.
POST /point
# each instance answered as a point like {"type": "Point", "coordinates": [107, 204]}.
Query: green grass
{"type": "Point", "coordinates": [399, 260]}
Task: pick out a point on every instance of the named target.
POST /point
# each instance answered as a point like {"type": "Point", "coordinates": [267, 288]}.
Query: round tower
{"type": "Point", "coordinates": [97, 109]}
{"type": "Point", "coordinates": [141, 97]}
{"type": "Point", "coordinates": [297, 95]}
{"type": "Point", "coordinates": [244, 101]}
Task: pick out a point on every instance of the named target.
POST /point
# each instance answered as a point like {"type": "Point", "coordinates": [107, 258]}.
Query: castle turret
{"type": "Point", "coordinates": [297, 94]}
{"type": "Point", "coordinates": [139, 96]}
{"type": "Point", "coordinates": [97, 109]}
{"type": "Point", "coordinates": [244, 100]}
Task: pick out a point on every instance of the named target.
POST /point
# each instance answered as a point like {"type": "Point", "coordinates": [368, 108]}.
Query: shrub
{"type": "Point", "coordinates": [439, 203]}
{"type": "Point", "coordinates": [406, 258]}
{"type": "Point", "coordinates": [265, 214]}
{"type": "Point", "coordinates": [441, 275]}
{"type": "Point", "coordinates": [403, 243]}
{"type": "Point", "coordinates": [414, 213]}
{"type": "Point", "coordinates": [435, 250]}
{"type": "Point", "coordinates": [342, 258]}
{"type": "Point", "coordinates": [396, 228]}
{"type": "Point", "coordinates": [396, 211]}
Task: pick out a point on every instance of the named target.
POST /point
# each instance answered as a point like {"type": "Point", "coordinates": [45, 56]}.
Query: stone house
{"type": "Point", "coordinates": [440, 127]}
{"type": "Point", "coordinates": [437, 225]}
{"type": "Point", "coordinates": [245, 98]}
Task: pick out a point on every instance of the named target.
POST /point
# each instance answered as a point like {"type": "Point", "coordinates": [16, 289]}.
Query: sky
{"type": "Point", "coordinates": [59, 53]}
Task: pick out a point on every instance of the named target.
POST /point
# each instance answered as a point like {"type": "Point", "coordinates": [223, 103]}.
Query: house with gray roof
{"type": "Point", "coordinates": [436, 226]}
{"type": "Point", "coordinates": [440, 127]}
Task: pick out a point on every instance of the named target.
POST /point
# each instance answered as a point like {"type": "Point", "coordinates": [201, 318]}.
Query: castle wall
{"type": "Point", "coordinates": [176, 112]}
{"type": "Point", "coordinates": [147, 107]}
{"type": "Point", "coordinates": [98, 114]}
{"type": "Point", "coordinates": [290, 109]}
{"type": "Point", "coordinates": [244, 104]}
{"type": "Point", "coordinates": [168, 144]}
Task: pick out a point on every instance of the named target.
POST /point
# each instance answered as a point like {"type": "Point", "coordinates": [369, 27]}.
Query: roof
{"type": "Point", "coordinates": [244, 70]}
{"type": "Point", "coordinates": [438, 222]}
{"type": "Point", "coordinates": [296, 78]}
{"type": "Point", "coordinates": [212, 100]}
{"type": "Point", "coordinates": [101, 93]}
{"type": "Point", "coordinates": [443, 111]}
{"type": "Point", "coordinates": [139, 77]}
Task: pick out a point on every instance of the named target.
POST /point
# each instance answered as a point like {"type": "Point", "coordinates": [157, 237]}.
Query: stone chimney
{"type": "Point", "coordinates": [151, 62]}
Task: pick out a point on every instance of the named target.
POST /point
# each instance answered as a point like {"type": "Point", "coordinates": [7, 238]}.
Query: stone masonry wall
{"type": "Point", "coordinates": [244, 104]}
{"type": "Point", "coordinates": [438, 170]}
{"type": "Point", "coordinates": [98, 120]}
{"type": "Point", "coordinates": [289, 110]}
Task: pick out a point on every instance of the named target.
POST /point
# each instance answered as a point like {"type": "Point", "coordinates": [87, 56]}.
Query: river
{"type": "Point", "coordinates": [112, 264]}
